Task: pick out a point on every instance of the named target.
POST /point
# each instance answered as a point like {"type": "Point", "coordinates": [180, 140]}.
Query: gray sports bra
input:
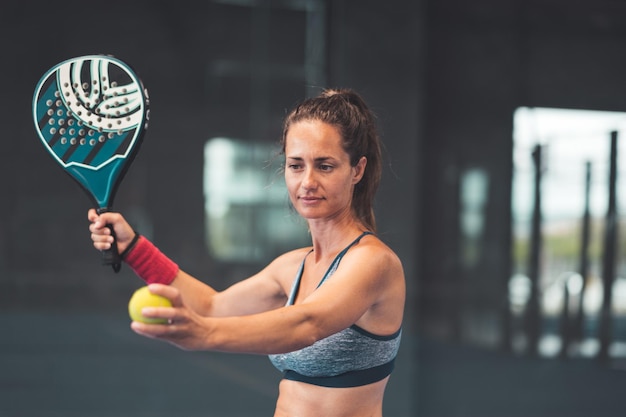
{"type": "Point", "coordinates": [349, 358]}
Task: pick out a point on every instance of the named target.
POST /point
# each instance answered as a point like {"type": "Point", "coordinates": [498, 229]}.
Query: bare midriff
{"type": "Point", "coordinates": [298, 399]}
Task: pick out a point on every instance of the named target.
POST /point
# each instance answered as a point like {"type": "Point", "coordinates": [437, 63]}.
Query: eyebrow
{"type": "Point", "coordinates": [318, 159]}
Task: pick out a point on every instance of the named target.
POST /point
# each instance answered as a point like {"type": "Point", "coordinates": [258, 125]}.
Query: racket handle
{"type": "Point", "coordinates": [111, 256]}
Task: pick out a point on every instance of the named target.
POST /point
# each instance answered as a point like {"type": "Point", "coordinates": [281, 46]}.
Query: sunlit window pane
{"type": "Point", "coordinates": [248, 217]}
{"type": "Point", "coordinates": [574, 143]}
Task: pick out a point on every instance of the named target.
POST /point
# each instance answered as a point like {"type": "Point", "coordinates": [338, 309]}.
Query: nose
{"type": "Point", "coordinates": [309, 180]}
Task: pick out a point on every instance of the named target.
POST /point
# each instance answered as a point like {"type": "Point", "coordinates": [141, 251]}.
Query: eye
{"type": "Point", "coordinates": [325, 167]}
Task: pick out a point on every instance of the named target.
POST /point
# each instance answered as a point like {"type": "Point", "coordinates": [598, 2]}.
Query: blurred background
{"type": "Point", "coordinates": [503, 123]}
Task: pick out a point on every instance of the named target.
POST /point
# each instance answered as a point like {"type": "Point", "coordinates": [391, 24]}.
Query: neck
{"type": "Point", "coordinates": [331, 237]}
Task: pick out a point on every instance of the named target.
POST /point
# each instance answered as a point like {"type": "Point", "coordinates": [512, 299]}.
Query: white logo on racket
{"type": "Point", "coordinates": [103, 105]}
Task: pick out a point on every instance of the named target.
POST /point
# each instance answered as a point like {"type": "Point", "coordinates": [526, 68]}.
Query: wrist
{"type": "Point", "coordinates": [130, 246]}
{"type": "Point", "coordinates": [149, 263]}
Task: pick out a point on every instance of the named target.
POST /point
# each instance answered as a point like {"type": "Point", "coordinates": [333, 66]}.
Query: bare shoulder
{"type": "Point", "coordinates": [378, 255]}
{"type": "Point", "coordinates": [381, 282]}
{"type": "Point", "coordinates": [284, 268]}
{"type": "Point", "coordinates": [380, 267]}
{"type": "Point", "coordinates": [375, 263]}
{"type": "Point", "coordinates": [290, 258]}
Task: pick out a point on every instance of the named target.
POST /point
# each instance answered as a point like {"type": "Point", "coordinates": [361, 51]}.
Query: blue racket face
{"type": "Point", "coordinates": [90, 113]}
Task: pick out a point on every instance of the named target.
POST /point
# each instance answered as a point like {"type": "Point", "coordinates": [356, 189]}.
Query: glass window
{"type": "Point", "coordinates": [574, 171]}
{"type": "Point", "coordinates": [473, 199]}
{"type": "Point", "coordinates": [280, 58]}
{"type": "Point", "coordinates": [247, 212]}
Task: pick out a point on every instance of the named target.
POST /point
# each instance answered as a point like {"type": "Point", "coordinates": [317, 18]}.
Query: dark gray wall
{"type": "Point", "coordinates": [444, 78]}
{"type": "Point", "coordinates": [67, 312]}
{"type": "Point", "coordinates": [484, 60]}
{"type": "Point", "coordinates": [174, 47]}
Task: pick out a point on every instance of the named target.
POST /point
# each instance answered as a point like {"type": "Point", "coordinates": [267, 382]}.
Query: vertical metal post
{"type": "Point", "coordinates": [566, 321]}
{"type": "Point", "coordinates": [608, 256]}
{"type": "Point", "coordinates": [533, 317]}
{"type": "Point", "coordinates": [583, 269]}
{"type": "Point", "coordinates": [572, 324]}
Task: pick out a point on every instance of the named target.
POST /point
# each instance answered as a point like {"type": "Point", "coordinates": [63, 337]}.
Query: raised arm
{"type": "Point", "coordinates": [258, 293]}
{"type": "Point", "coordinates": [367, 289]}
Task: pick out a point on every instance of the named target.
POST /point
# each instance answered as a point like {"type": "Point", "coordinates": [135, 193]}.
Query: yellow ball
{"type": "Point", "coordinates": [144, 298]}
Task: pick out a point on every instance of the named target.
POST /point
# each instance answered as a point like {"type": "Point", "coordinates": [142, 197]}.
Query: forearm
{"type": "Point", "coordinates": [152, 266]}
{"type": "Point", "coordinates": [277, 331]}
{"type": "Point", "coordinates": [196, 294]}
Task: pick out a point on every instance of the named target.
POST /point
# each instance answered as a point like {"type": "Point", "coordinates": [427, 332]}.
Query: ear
{"type": "Point", "coordinates": [358, 170]}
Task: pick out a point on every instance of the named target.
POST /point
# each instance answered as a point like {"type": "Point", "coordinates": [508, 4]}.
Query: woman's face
{"type": "Point", "coordinates": [318, 174]}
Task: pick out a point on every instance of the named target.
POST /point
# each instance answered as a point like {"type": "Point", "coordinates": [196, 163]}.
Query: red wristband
{"type": "Point", "coordinates": [150, 264]}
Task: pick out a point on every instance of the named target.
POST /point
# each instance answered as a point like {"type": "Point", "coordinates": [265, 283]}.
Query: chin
{"type": "Point", "coordinates": [309, 214]}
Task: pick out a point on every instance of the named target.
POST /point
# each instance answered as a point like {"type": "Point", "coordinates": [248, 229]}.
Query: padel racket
{"type": "Point", "coordinates": [90, 113]}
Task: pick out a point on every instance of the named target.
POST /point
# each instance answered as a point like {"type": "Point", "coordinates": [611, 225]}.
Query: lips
{"type": "Point", "coordinates": [310, 199]}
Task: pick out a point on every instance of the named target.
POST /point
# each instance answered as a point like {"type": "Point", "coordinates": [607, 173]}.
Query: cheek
{"type": "Point", "coordinates": [291, 184]}
{"type": "Point", "coordinates": [348, 190]}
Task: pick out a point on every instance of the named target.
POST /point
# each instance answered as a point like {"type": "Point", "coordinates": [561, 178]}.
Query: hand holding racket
{"type": "Point", "coordinates": [91, 113]}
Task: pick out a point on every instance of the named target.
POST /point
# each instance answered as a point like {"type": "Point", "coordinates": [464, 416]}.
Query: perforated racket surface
{"type": "Point", "coordinates": [90, 113]}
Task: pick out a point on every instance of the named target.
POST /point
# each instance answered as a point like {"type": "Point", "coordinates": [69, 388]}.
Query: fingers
{"type": "Point", "coordinates": [175, 313]}
{"type": "Point", "coordinates": [153, 331]}
{"type": "Point", "coordinates": [181, 334]}
{"type": "Point", "coordinates": [102, 242]}
{"type": "Point", "coordinates": [98, 222]}
{"type": "Point", "coordinates": [183, 326]}
{"type": "Point", "coordinates": [92, 215]}
{"type": "Point", "coordinates": [170, 331]}
{"type": "Point", "coordinates": [102, 220]}
{"type": "Point", "coordinates": [167, 291]}
{"type": "Point", "coordinates": [101, 232]}
{"type": "Point", "coordinates": [169, 314]}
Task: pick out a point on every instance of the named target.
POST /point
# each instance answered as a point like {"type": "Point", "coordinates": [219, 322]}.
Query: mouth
{"type": "Point", "coordinates": [310, 199]}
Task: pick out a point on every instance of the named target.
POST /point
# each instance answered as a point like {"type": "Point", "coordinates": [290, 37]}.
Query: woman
{"type": "Point", "coordinates": [328, 315]}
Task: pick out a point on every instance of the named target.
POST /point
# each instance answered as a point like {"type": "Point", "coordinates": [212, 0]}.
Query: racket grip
{"type": "Point", "coordinates": [112, 256]}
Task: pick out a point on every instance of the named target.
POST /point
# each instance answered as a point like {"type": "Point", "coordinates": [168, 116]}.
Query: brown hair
{"type": "Point", "coordinates": [348, 112]}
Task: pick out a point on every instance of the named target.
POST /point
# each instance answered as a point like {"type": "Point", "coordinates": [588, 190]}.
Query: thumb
{"type": "Point", "coordinates": [92, 215]}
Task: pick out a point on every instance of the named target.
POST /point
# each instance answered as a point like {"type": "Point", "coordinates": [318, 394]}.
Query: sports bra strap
{"type": "Point", "coordinates": [335, 263]}
{"type": "Point", "coordinates": [333, 266]}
